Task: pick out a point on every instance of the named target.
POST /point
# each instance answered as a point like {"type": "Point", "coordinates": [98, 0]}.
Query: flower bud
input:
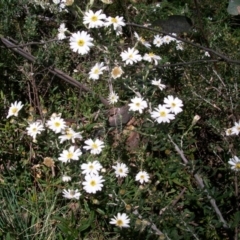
{"type": "Point", "coordinates": [128, 207]}
{"type": "Point", "coordinates": [195, 119]}
{"type": "Point", "coordinates": [95, 201]}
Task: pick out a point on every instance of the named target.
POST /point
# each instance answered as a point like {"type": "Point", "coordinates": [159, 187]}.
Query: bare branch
{"type": "Point", "coordinates": [152, 225]}
{"type": "Point", "coordinates": [222, 56]}
{"type": "Point", "coordinates": [32, 43]}
{"type": "Point", "coordinates": [54, 71]}
{"type": "Point", "coordinates": [201, 185]}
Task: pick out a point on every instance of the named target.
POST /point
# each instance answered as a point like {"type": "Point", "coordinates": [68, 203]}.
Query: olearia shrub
{"type": "Point", "coordinates": [114, 129]}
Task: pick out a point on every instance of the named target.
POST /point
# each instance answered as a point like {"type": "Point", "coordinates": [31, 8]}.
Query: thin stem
{"type": "Point", "coordinates": [54, 71]}
{"type": "Point", "coordinates": [222, 56]}
{"type": "Point", "coordinates": [201, 185]}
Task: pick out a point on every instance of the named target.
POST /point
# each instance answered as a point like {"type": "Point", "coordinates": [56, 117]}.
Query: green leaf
{"type": "Point", "coordinates": [84, 226]}
{"type": "Point", "coordinates": [8, 236]}
{"type": "Point", "coordinates": [86, 207]}
{"type": "Point", "coordinates": [236, 219]}
{"type": "Point", "coordinates": [234, 7]}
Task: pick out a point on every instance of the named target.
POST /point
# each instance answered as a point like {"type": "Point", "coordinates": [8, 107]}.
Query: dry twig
{"type": "Point", "coordinates": [201, 185]}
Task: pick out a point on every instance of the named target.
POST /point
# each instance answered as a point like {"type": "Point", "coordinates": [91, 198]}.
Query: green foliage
{"type": "Point", "coordinates": [171, 205]}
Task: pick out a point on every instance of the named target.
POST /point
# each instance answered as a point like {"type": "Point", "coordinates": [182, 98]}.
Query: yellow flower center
{"type": "Point", "coordinates": [69, 135]}
{"type": "Point", "coordinates": [138, 104]}
{"type": "Point", "coordinates": [91, 167]}
{"type": "Point", "coordinates": [142, 40]}
{"type": "Point", "coordinates": [69, 155]}
{"type": "Point", "coordinates": [119, 222]}
{"type": "Point", "coordinates": [162, 114]}
{"type": "Point", "coordinates": [94, 18]}
{"type": "Point", "coordinates": [229, 131]}
{"type": "Point", "coordinates": [93, 183]}
{"type": "Point", "coordinates": [57, 124]}
{"type": "Point", "coordinates": [96, 71]}
{"type": "Point", "coordinates": [14, 110]}
{"type": "Point", "coordinates": [72, 193]}
{"type": "Point", "coordinates": [120, 170]}
{"type": "Point", "coordinates": [114, 20]}
{"type": "Point", "coordinates": [80, 42]}
{"type": "Point", "coordinates": [237, 166]}
{"type": "Point", "coordinates": [142, 177]}
{"type": "Point", "coordinates": [130, 56]}
{"type": "Point", "coordinates": [173, 104]}
{"type": "Point", "coordinates": [151, 54]}
{"type": "Point", "coordinates": [94, 146]}
{"type": "Point", "coordinates": [34, 129]}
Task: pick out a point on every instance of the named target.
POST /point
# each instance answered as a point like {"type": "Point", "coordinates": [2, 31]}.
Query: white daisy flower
{"type": "Point", "coordinates": [70, 134]}
{"type": "Point", "coordinates": [91, 167]}
{"type": "Point", "coordinates": [95, 147]}
{"type": "Point", "coordinates": [116, 72]}
{"type": "Point", "coordinates": [142, 177]}
{"type": "Point", "coordinates": [167, 39]}
{"type": "Point", "coordinates": [113, 98]}
{"type": "Point", "coordinates": [93, 183]}
{"type": "Point", "coordinates": [236, 128]}
{"type": "Point", "coordinates": [142, 40]}
{"type": "Point", "coordinates": [56, 124]}
{"type": "Point", "coordinates": [138, 104]}
{"type": "Point", "coordinates": [130, 56]}
{"type": "Point", "coordinates": [121, 170]}
{"type": "Point", "coordinates": [81, 42]}
{"type": "Point", "coordinates": [162, 114]}
{"type": "Point", "coordinates": [115, 21]}
{"type": "Point", "coordinates": [151, 57]}
{"type": "Point", "coordinates": [34, 128]}
{"type": "Point", "coordinates": [14, 109]}
{"type": "Point", "coordinates": [70, 154]}
{"type": "Point", "coordinates": [61, 32]}
{"type": "Point", "coordinates": [206, 54]}
{"type": "Point", "coordinates": [180, 45]}
{"type": "Point", "coordinates": [66, 178]}
{"type": "Point", "coordinates": [158, 84]}
{"type": "Point", "coordinates": [119, 31]}
{"type": "Point", "coordinates": [229, 132]}
{"type": "Point", "coordinates": [96, 71]}
{"type": "Point", "coordinates": [158, 41]}
{"type": "Point", "coordinates": [235, 163]}
{"type": "Point", "coordinates": [94, 20]}
{"type": "Point", "coordinates": [62, 7]}
{"type": "Point", "coordinates": [121, 220]}
{"type": "Point", "coordinates": [71, 194]}
{"type": "Point", "coordinates": [175, 104]}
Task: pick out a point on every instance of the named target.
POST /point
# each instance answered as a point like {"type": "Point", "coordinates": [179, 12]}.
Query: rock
{"type": "Point", "coordinates": [174, 24]}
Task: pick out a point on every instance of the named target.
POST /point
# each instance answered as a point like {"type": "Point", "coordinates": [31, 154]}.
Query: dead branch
{"type": "Point", "coordinates": [222, 57]}
{"type": "Point", "coordinates": [10, 45]}
{"type": "Point", "coordinates": [201, 185]}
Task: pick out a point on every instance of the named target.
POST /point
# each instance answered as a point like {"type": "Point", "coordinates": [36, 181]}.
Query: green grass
{"type": "Point", "coordinates": [187, 161]}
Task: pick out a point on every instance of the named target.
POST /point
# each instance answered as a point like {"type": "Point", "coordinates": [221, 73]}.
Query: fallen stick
{"type": "Point", "coordinates": [201, 185]}
{"type": "Point", "coordinates": [10, 45]}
